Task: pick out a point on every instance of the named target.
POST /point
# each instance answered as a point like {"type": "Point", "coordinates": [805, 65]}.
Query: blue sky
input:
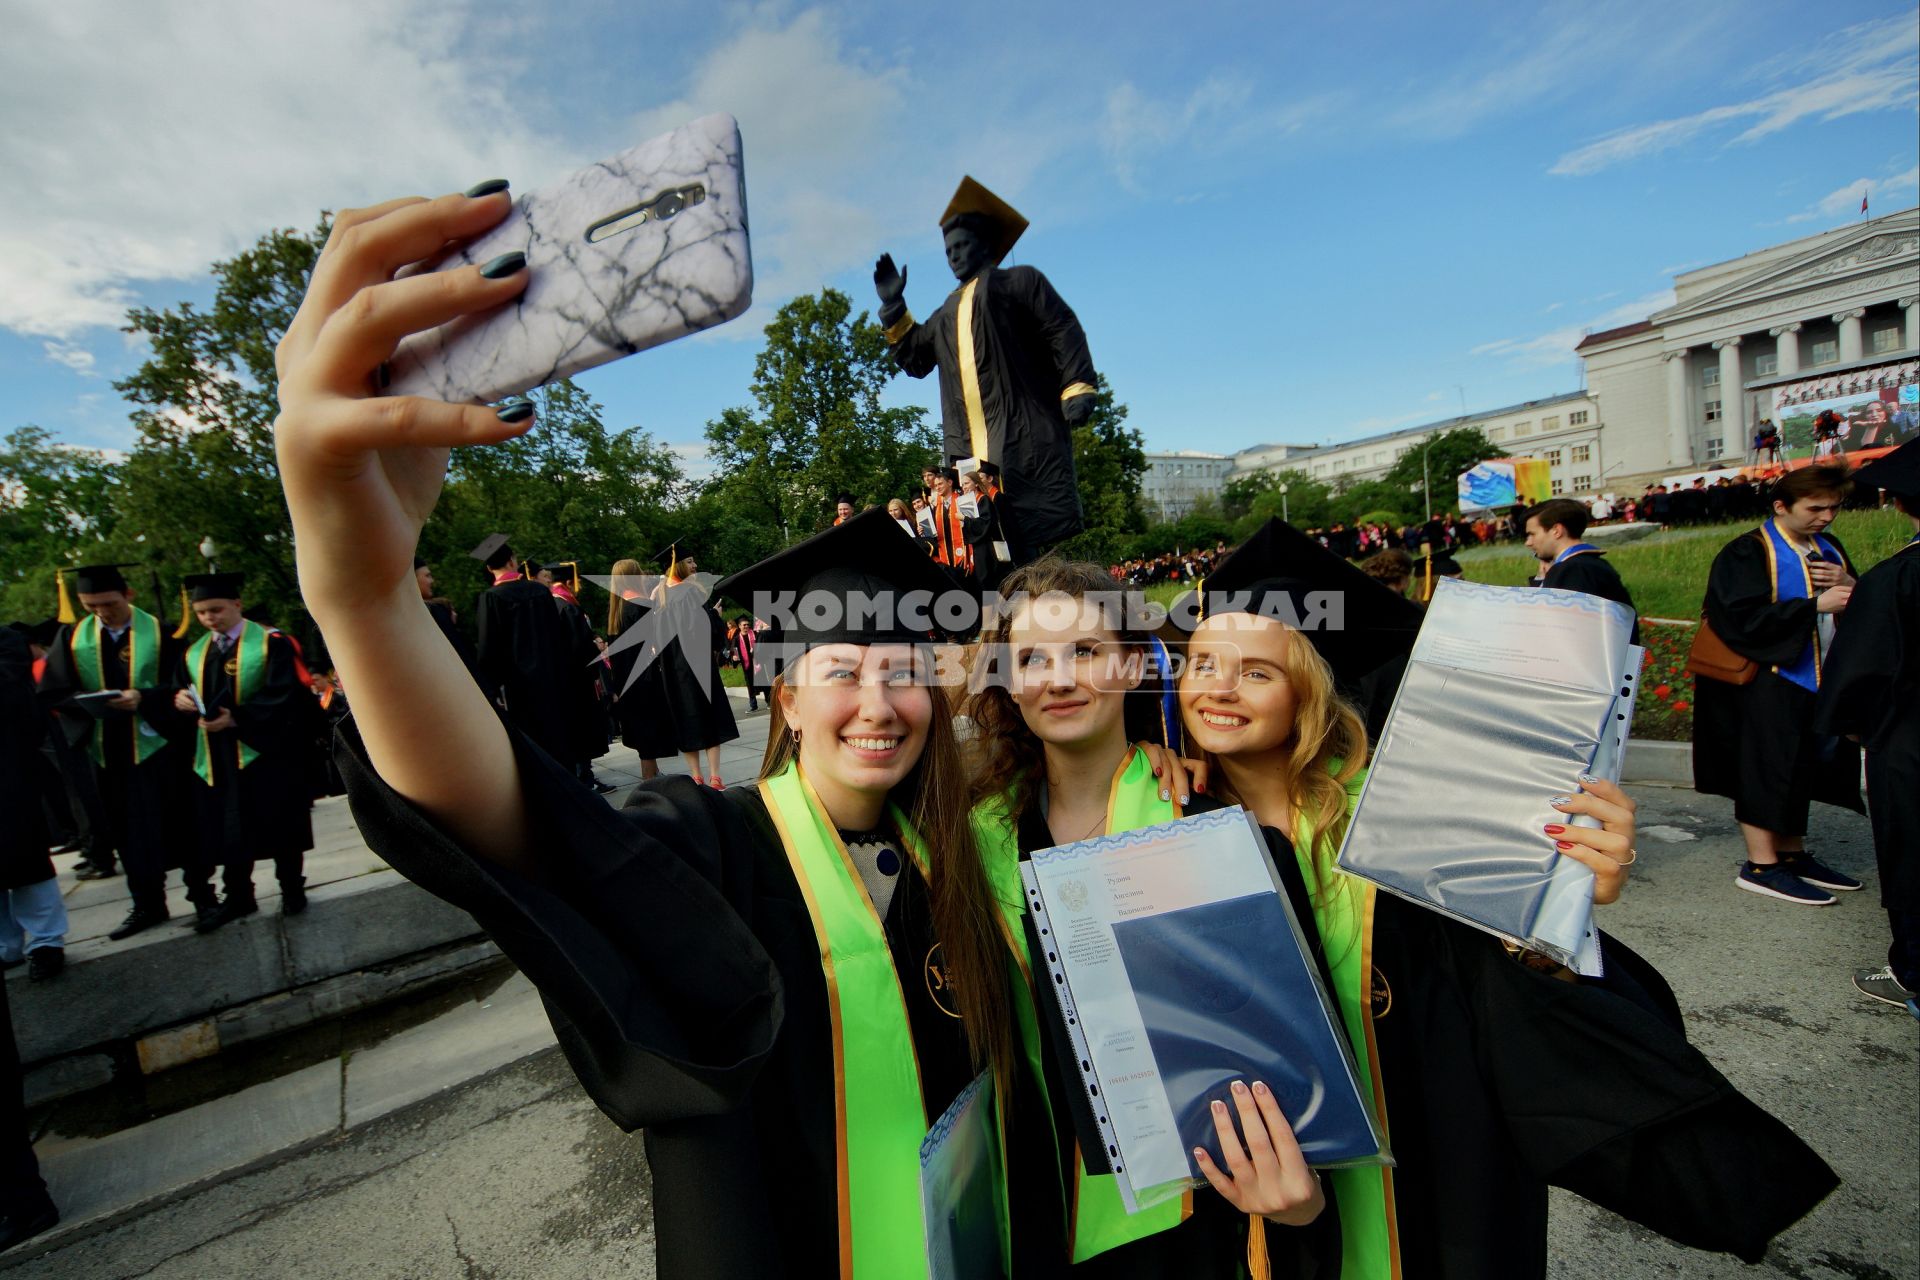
{"type": "Point", "coordinates": [1276, 221]}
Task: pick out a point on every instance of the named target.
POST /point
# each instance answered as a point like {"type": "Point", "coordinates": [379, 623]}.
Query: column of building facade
{"type": "Point", "coordinates": [1679, 420]}
{"type": "Point", "coordinates": [1786, 348]}
{"type": "Point", "coordinates": [1733, 398]}
{"type": "Point", "coordinates": [1912, 307]}
{"type": "Point", "coordinates": [1850, 344]}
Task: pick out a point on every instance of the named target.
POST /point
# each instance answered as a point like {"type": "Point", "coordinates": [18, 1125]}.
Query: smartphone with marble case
{"type": "Point", "coordinates": [644, 247]}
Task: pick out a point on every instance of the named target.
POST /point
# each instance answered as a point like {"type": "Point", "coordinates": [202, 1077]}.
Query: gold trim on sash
{"type": "Point", "coordinates": [899, 328]}
{"type": "Point", "coordinates": [1379, 1083]}
{"type": "Point", "coordinates": [970, 372]}
{"type": "Point", "coordinates": [1075, 389]}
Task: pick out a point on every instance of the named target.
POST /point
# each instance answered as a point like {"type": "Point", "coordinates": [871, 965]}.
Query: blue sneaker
{"type": "Point", "coordinates": [1813, 871]}
{"type": "Point", "coordinates": [1775, 881]}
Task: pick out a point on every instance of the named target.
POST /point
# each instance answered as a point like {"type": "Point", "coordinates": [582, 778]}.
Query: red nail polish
{"type": "Point", "coordinates": [1563, 844]}
{"type": "Point", "coordinates": [1554, 828]}
{"type": "Point", "coordinates": [1201, 787]}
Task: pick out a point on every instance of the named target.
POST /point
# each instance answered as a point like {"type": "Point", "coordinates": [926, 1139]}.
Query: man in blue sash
{"type": "Point", "coordinates": [1553, 531]}
{"type": "Point", "coordinates": [251, 719]}
{"type": "Point", "coordinates": [1870, 691]}
{"type": "Point", "coordinates": [108, 684]}
{"type": "Point", "coordinates": [1774, 595]}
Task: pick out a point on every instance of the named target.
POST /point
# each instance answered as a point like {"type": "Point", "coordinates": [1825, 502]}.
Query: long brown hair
{"type": "Point", "coordinates": [1326, 751]}
{"type": "Point", "coordinates": [1011, 757]}
{"type": "Point", "coordinates": [966, 916]}
{"type": "Point", "coordinates": [623, 572]}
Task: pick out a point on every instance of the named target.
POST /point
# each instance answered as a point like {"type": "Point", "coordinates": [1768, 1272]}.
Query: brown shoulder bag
{"type": "Point", "coordinates": [1711, 659]}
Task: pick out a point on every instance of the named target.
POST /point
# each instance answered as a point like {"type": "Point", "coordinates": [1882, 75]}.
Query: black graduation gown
{"type": "Point", "coordinates": [587, 723]}
{"type": "Point", "coordinates": [23, 819]}
{"type": "Point", "coordinates": [1028, 348]}
{"type": "Point", "coordinates": [443, 618]}
{"type": "Point", "coordinates": [526, 651]}
{"type": "Point", "coordinates": [1870, 688]}
{"type": "Point", "coordinates": [1755, 743]}
{"type": "Point", "coordinates": [148, 805]}
{"type": "Point", "coordinates": [266, 809]}
{"type": "Point", "coordinates": [674, 952]}
{"type": "Point", "coordinates": [640, 708]}
{"type": "Point", "coordinates": [1590, 572]}
{"type": "Point", "coordinates": [1501, 1081]}
{"type": "Point", "coordinates": [702, 718]}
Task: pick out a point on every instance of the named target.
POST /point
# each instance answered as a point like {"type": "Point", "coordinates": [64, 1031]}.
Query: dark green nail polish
{"type": "Point", "coordinates": [518, 411]}
{"type": "Point", "coordinates": [487, 188]}
{"type": "Point", "coordinates": [505, 265]}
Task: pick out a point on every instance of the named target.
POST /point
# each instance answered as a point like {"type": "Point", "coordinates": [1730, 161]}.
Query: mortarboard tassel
{"type": "Point", "coordinates": [1258, 1265]}
{"type": "Point", "coordinates": [186, 615]}
{"type": "Point", "coordinates": [67, 615]}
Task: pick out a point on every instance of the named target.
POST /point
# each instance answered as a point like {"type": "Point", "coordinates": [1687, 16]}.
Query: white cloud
{"type": "Point", "coordinates": [1872, 66]}
{"type": "Point", "coordinates": [696, 463]}
{"type": "Point", "coordinates": [1555, 347]}
{"type": "Point", "coordinates": [1889, 193]}
{"type": "Point", "coordinates": [143, 143]}
{"type": "Point", "coordinates": [1222, 112]}
{"type": "Point", "coordinates": [76, 358]}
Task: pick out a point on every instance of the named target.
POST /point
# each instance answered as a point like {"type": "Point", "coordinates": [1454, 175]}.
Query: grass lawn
{"type": "Point", "coordinates": [1667, 574]}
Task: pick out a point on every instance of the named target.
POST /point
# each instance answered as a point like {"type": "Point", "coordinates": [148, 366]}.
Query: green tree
{"type": "Point", "coordinates": [1108, 462]}
{"type": "Point", "coordinates": [58, 506]}
{"type": "Point", "coordinates": [1446, 456]}
{"type": "Point", "coordinates": [204, 401]}
{"type": "Point", "coordinates": [819, 430]}
{"type": "Point", "coordinates": [569, 489]}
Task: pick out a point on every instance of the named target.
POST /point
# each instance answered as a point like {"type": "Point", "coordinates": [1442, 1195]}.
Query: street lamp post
{"type": "Point", "coordinates": [1283, 505]}
{"type": "Point", "coordinates": [208, 550]}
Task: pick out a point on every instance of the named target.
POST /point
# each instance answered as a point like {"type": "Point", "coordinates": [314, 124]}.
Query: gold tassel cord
{"type": "Point", "coordinates": [66, 615]}
{"type": "Point", "coordinates": [186, 615]}
{"type": "Point", "coordinates": [1259, 1267]}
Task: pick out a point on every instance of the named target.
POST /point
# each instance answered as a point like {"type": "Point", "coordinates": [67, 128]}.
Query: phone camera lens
{"type": "Point", "coordinates": [668, 205]}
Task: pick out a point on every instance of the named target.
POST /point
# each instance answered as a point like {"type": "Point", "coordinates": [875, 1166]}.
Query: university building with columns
{"type": "Point", "coordinates": [1831, 314]}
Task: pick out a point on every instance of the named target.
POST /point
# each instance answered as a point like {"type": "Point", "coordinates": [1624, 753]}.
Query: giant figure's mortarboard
{"type": "Point", "coordinates": [1006, 223]}
{"type": "Point", "coordinates": [1273, 573]}
{"type": "Point", "coordinates": [1898, 472]}
{"type": "Point", "coordinates": [493, 551]}
{"type": "Point", "coordinates": [869, 555]}
{"type": "Point", "coordinates": [91, 578]}
{"type": "Point", "coordinates": [213, 586]}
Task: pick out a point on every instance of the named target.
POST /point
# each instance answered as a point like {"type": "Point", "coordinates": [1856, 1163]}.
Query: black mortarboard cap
{"type": "Point", "coordinates": [91, 578]}
{"type": "Point", "coordinates": [1443, 566]}
{"type": "Point", "coordinates": [213, 586]}
{"type": "Point", "coordinates": [1898, 472]}
{"type": "Point", "coordinates": [1281, 573]}
{"type": "Point", "coordinates": [493, 551]}
{"type": "Point", "coordinates": [419, 563]}
{"type": "Point", "coordinates": [869, 555]}
{"type": "Point", "coordinates": [42, 633]}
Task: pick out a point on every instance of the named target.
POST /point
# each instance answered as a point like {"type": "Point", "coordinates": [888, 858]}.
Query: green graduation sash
{"type": "Point", "coordinates": [143, 672]}
{"type": "Point", "coordinates": [882, 1231]}
{"type": "Point", "coordinates": [1097, 1220]}
{"type": "Point", "coordinates": [250, 669]}
{"type": "Point", "coordinates": [1369, 1233]}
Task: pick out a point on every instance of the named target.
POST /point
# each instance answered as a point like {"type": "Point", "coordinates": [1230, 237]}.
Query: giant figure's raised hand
{"type": "Point", "coordinates": [1015, 375]}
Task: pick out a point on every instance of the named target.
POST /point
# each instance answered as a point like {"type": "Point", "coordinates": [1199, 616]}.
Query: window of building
{"type": "Point", "coordinates": [1522, 429]}
{"type": "Point", "coordinates": [1582, 482]}
{"type": "Point", "coordinates": [1339, 464]}
{"type": "Point", "coordinates": [1551, 423]}
{"type": "Point", "coordinates": [1578, 418]}
{"type": "Point", "coordinates": [1826, 352]}
{"type": "Point", "coordinates": [1497, 433]}
{"type": "Point", "coordinates": [1402, 451]}
{"type": "Point", "coordinates": [1885, 340]}
{"type": "Point", "coordinates": [1763, 366]}
{"type": "Point", "coordinates": [1583, 453]}
{"type": "Point", "coordinates": [1558, 487]}
{"type": "Point", "coordinates": [1713, 411]}
{"type": "Point", "coordinates": [1710, 376]}
{"type": "Point", "coordinates": [1380, 457]}
{"type": "Point", "coordinates": [1553, 457]}
{"type": "Point", "coordinates": [1319, 468]}
{"type": "Point", "coordinates": [1716, 445]}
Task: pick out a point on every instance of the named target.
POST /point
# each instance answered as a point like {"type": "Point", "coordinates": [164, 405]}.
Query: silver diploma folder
{"type": "Point", "coordinates": [1511, 693]}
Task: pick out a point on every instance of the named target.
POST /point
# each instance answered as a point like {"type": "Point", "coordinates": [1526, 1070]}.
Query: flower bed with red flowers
{"type": "Point", "coordinates": [1663, 711]}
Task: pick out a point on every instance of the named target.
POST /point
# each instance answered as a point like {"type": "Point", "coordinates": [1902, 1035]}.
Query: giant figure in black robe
{"type": "Point", "coordinates": [1870, 690]}
{"type": "Point", "coordinates": [265, 810]}
{"type": "Point", "coordinates": [1015, 374]}
{"type": "Point", "coordinates": [1755, 743]}
{"type": "Point", "coordinates": [527, 651]}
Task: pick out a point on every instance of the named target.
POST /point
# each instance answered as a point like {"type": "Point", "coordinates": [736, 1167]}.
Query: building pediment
{"type": "Point", "coordinates": [1885, 244]}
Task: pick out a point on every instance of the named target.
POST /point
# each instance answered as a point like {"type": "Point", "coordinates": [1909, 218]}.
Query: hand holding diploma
{"type": "Point", "coordinates": [1269, 1176]}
